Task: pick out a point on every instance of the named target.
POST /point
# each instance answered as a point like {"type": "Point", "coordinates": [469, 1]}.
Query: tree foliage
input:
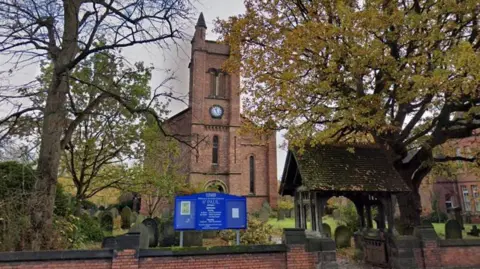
{"type": "Point", "coordinates": [66, 33]}
{"type": "Point", "coordinates": [395, 71]}
{"type": "Point", "coordinates": [108, 135]}
{"type": "Point", "coordinates": [158, 177]}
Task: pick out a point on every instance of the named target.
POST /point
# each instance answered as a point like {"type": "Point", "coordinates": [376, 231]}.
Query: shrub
{"type": "Point", "coordinates": [63, 202]}
{"type": "Point", "coordinates": [285, 203]}
{"type": "Point", "coordinates": [349, 216]}
{"type": "Point", "coordinates": [257, 233]}
{"type": "Point", "coordinates": [90, 228]}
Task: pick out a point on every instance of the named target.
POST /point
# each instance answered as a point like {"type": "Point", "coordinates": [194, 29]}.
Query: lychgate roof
{"type": "Point", "coordinates": [341, 168]}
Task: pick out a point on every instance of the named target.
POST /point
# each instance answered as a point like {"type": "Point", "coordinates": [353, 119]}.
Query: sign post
{"type": "Point", "coordinates": [210, 211]}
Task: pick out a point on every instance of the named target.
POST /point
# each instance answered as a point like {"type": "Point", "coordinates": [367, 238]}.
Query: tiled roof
{"type": "Point", "coordinates": [339, 168]}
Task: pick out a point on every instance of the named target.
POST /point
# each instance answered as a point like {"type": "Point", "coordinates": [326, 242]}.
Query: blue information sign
{"type": "Point", "coordinates": [210, 211]}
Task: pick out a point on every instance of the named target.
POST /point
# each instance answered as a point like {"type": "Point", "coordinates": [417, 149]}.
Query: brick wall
{"type": "Point", "coordinates": [297, 253]}
{"type": "Point", "coordinates": [241, 261]}
{"type": "Point", "coordinates": [427, 251]}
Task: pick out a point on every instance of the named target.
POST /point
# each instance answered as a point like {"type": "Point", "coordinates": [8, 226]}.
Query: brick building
{"type": "Point", "coordinates": [459, 185]}
{"type": "Point", "coordinates": [223, 157]}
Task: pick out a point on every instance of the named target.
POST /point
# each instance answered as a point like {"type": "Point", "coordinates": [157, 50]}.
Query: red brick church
{"type": "Point", "coordinates": [223, 157]}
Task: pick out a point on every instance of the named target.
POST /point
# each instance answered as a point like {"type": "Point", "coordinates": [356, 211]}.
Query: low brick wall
{"type": "Point", "coordinates": [94, 259]}
{"type": "Point", "coordinates": [426, 251]}
{"type": "Point", "coordinates": [298, 252]}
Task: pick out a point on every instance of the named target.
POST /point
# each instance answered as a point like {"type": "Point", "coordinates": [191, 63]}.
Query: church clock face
{"type": "Point", "coordinates": [216, 111]}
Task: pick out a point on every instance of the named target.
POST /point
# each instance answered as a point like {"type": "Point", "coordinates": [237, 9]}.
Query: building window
{"type": "Point", "coordinates": [466, 199]}
{"type": "Point", "coordinates": [218, 83]}
{"type": "Point", "coordinates": [476, 197]}
{"type": "Point", "coordinates": [252, 174]}
{"type": "Point", "coordinates": [448, 202]}
{"type": "Point", "coordinates": [215, 150]}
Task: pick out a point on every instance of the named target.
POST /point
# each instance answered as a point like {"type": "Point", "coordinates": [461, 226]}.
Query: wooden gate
{"type": "Point", "coordinates": [375, 252]}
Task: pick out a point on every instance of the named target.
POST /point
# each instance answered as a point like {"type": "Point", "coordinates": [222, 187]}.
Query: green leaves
{"type": "Point", "coordinates": [330, 71]}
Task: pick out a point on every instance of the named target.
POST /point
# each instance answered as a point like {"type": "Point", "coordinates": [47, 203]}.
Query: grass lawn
{"type": "Point", "coordinates": [440, 229]}
{"type": "Point", "coordinates": [278, 226]}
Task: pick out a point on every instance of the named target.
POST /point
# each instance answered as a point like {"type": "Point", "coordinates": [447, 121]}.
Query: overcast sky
{"type": "Point", "coordinates": [175, 59]}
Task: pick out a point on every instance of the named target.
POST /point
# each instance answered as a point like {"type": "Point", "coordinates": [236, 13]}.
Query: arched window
{"type": "Point", "coordinates": [252, 174]}
{"type": "Point", "coordinates": [213, 81]}
{"type": "Point", "coordinates": [215, 150]}
{"type": "Point", "coordinates": [218, 82]}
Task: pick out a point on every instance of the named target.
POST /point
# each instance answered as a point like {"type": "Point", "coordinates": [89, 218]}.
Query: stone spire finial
{"type": "Point", "coordinates": [201, 21]}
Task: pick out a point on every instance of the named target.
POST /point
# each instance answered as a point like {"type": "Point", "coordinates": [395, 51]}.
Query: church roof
{"type": "Point", "coordinates": [201, 21]}
{"type": "Point", "coordinates": [336, 168]}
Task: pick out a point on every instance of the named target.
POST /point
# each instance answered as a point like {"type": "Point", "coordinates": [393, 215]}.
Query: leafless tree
{"type": "Point", "coordinates": [65, 33]}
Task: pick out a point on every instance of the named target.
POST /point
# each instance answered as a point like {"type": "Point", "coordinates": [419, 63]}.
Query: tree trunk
{"type": "Point", "coordinates": [54, 123]}
{"type": "Point", "coordinates": [410, 210]}
{"type": "Point", "coordinates": [48, 162]}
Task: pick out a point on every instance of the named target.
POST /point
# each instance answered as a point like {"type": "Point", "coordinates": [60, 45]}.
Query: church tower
{"type": "Point", "coordinates": [222, 159]}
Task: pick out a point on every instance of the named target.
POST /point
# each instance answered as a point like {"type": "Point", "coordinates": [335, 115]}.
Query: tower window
{"type": "Point", "coordinates": [218, 82]}
{"type": "Point", "coordinates": [252, 174]}
{"type": "Point", "coordinates": [215, 150]}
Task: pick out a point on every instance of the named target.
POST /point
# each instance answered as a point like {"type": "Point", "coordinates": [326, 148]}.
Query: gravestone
{"type": "Point", "coordinates": [109, 242]}
{"type": "Point", "coordinates": [289, 213]}
{"type": "Point", "coordinates": [114, 212]}
{"type": "Point", "coordinates": [152, 226]}
{"type": "Point", "coordinates": [167, 234]}
{"type": "Point", "coordinates": [264, 214]}
{"type": "Point", "coordinates": [456, 213]}
{"type": "Point", "coordinates": [475, 231]}
{"type": "Point", "coordinates": [126, 217]}
{"type": "Point", "coordinates": [280, 214]}
{"type": "Point", "coordinates": [343, 237]}
{"type": "Point", "coordinates": [192, 238]}
{"type": "Point", "coordinates": [144, 234]}
{"type": "Point", "coordinates": [106, 221]}
{"type": "Point", "coordinates": [327, 231]}
{"type": "Point", "coordinates": [453, 230]}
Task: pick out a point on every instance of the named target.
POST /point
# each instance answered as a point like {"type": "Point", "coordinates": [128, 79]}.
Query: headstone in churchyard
{"type": "Point", "coordinates": [126, 217]}
{"type": "Point", "coordinates": [144, 234]}
{"type": "Point", "coordinates": [453, 230]}
{"type": "Point", "coordinates": [343, 237]}
{"type": "Point", "coordinates": [192, 239]}
{"type": "Point", "coordinates": [280, 214]}
{"type": "Point", "coordinates": [336, 214]}
{"type": "Point", "coordinates": [327, 231]}
{"type": "Point", "coordinates": [167, 234]}
{"type": "Point", "coordinates": [152, 226]}
{"type": "Point", "coordinates": [109, 242]}
{"type": "Point", "coordinates": [114, 212]}
{"type": "Point", "coordinates": [468, 218]}
{"type": "Point", "coordinates": [289, 213]}
{"type": "Point", "coordinates": [264, 214]}
{"type": "Point", "coordinates": [457, 215]}
{"type": "Point", "coordinates": [475, 231]}
{"type": "Point", "coordinates": [134, 217]}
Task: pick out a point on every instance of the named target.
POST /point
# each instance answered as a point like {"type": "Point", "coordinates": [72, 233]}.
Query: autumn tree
{"type": "Point", "coordinates": [158, 176]}
{"type": "Point", "coordinates": [395, 71]}
{"type": "Point", "coordinates": [65, 33]}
